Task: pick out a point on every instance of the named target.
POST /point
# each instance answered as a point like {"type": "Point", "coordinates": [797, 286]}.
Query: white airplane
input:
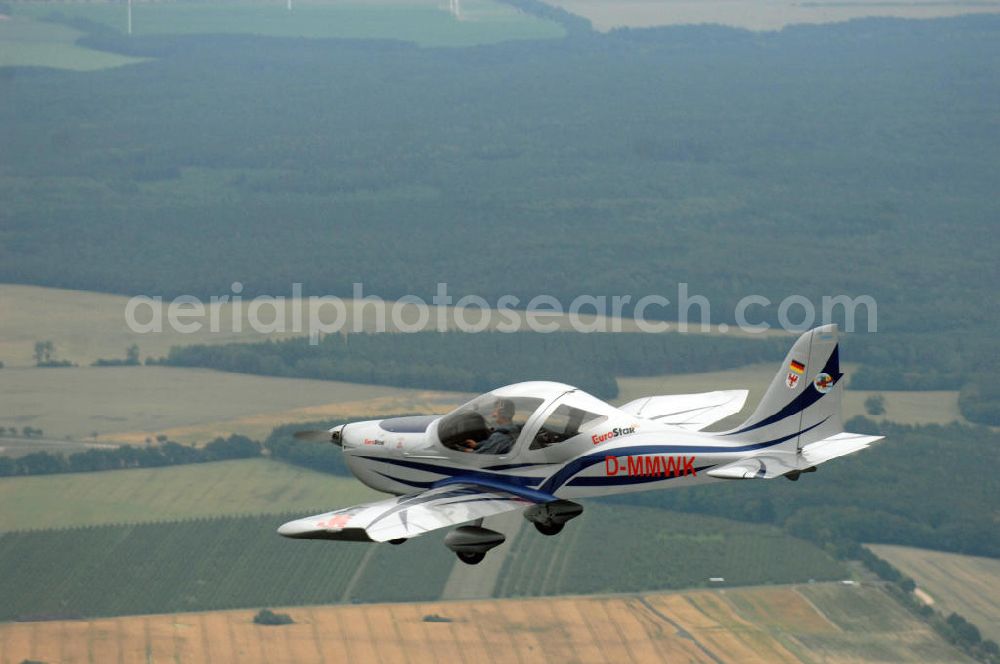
{"type": "Point", "coordinates": [537, 446]}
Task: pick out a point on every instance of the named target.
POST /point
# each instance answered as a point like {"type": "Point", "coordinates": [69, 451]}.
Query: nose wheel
{"type": "Point", "coordinates": [470, 543]}
{"type": "Point", "coordinates": [471, 558]}
{"type": "Point", "coordinates": [549, 528]}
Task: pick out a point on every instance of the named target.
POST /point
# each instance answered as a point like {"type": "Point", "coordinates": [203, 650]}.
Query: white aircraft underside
{"type": "Point", "coordinates": [536, 446]}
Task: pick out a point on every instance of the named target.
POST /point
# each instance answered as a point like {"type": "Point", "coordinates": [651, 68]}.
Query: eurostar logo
{"type": "Point", "coordinates": [599, 438]}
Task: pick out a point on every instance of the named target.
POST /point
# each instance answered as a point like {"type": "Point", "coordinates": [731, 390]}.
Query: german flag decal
{"type": "Point", "coordinates": [797, 367]}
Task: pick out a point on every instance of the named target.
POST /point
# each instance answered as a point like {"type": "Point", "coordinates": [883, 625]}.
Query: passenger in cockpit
{"type": "Point", "coordinates": [504, 432]}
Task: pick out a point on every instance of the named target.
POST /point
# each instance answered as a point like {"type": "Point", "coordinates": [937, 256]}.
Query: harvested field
{"type": "Point", "coordinates": [701, 626]}
{"type": "Point", "coordinates": [85, 325]}
{"type": "Point", "coordinates": [128, 404]}
{"type": "Point", "coordinates": [757, 14]}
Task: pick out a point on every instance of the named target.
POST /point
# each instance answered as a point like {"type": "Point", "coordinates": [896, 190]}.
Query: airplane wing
{"type": "Point", "coordinates": [689, 411]}
{"type": "Point", "coordinates": [778, 464]}
{"type": "Point", "coordinates": [413, 514]}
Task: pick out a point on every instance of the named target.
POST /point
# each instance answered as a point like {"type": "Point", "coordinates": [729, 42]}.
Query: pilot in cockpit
{"type": "Point", "coordinates": [504, 434]}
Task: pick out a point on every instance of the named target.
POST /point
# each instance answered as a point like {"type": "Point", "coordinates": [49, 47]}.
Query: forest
{"type": "Point", "coordinates": [842, 159]}
{"type": "Point", "coordinates": [162, 453]}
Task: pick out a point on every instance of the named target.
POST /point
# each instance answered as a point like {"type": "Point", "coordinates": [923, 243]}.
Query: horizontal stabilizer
{"type": "Point", "coordinates": [839, 445]}
{"type": "Point", "coordinates": [689, 411]}
{"type": "Point", "coordinates": [779, 464]}
{"type": "Point", "coordinates": [764, 467]}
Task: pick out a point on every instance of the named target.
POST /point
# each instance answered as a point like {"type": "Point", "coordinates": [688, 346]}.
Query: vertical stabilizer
{"type": "Point", "coordinates": [802, 403]}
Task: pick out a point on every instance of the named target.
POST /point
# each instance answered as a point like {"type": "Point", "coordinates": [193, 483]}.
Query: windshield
{"type": "Point", "coordinates": [488, 424]}
{"type": "Point", "coordinates": [564, 423]}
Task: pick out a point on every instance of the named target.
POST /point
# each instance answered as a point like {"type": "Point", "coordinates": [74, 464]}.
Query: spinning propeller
{"type": "Point", "coordinates": [321, 435]}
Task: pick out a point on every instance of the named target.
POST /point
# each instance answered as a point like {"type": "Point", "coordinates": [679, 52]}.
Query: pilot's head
{"type": "Point", "coordinates": [503, 411]}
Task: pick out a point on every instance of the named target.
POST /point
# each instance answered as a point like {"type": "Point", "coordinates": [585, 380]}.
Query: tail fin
{"type": "Point", "coordinates": [802, 404]}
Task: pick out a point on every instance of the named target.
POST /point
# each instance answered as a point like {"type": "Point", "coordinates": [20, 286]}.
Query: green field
{"type": "Point", "coordinates": [967, 585]}
{"type": "Point", "coordinates": [425, 22]}
{"type": "Point", "coordinates": [196, 565]}
{"type": "Point", "coordinates": [247, 486]}
{"type": "Point", "coordinates": [865, 616]}
{"type": "Point", "coordinates": [234, 562]}
{"type": "Point", "coordinates": [614, 548]}
{"type": "Point", "coordinates": [25, 42]}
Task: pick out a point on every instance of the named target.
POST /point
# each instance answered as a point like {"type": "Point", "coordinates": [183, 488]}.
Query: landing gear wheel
{"type": "Point", "coordinates": [397, 541]}
{"type": "Point", "coordinates": [471, 558]}
{"type": "Point", "coordinates": [549, 529]}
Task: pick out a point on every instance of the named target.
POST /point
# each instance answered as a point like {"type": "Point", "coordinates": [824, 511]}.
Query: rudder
{"type": "Point", "coordinates": [802, 403]}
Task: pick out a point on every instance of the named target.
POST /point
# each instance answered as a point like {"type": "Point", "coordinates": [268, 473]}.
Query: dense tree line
{"type": "Point", "coordinates": [885, 570]}
{"type": "Point", "coordinates": [481, 362]}
{"type": "Point", "coordinates": [131, 359]}
{"type": "Point", "coordinates": [126, 456]}
{"type": "Point", "coordinates": [269, 617]}
{"type": "Point", "coordinates": [979, 399]}
{"type": "Point", "coordinates": [575, 26]}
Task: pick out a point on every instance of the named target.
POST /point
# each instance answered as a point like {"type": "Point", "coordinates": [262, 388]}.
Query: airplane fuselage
{"type": "Point", "coordinates": [626, 455]}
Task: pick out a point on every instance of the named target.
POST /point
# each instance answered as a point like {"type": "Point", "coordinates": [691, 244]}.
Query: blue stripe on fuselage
{"type": "Point", "coordinates": [499, 485]}
{"type": "Point", "coordinates": [516, 480]}
{"type": "Point", "coordinates": [574, 467]}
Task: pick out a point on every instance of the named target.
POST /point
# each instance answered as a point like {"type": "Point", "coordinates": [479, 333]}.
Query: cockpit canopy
{"type": "Point", "coordinates": [493, 422]}
{"type": "Point", "coordinates": [487, 419]}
